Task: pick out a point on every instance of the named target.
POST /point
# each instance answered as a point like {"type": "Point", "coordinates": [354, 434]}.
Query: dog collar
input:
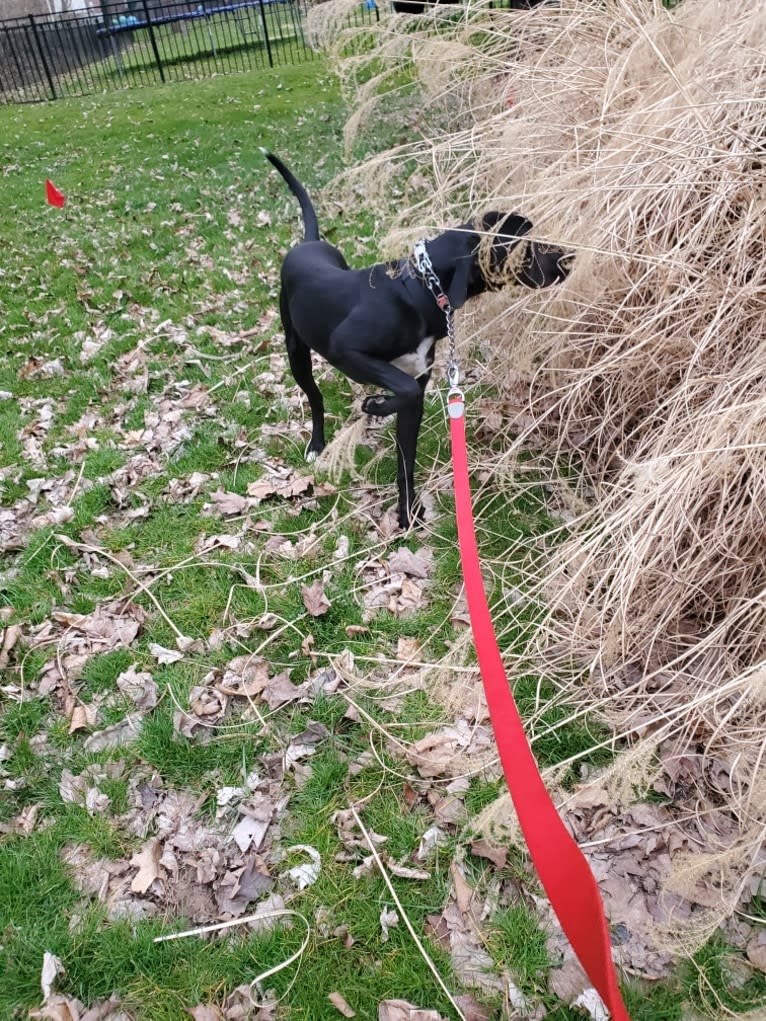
{"type": "Point", "coordinates": [427, 273]}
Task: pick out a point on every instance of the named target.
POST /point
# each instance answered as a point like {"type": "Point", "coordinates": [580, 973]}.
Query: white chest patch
{"type": "Point", "coordinates": [416, 363]}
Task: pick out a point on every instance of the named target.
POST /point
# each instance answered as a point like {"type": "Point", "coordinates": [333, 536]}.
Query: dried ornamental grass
{"type": "Point", "coordinates": [636, 135]}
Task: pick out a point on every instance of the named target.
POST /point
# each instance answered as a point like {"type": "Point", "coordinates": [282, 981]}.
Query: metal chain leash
{"type": "Point", "coordinates": [426, 270]}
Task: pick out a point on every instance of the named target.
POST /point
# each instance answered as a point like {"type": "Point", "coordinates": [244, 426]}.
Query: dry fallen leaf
{"type": "Point", "coordinates": [26, 819]}
{"type": "Point", "coordinates": [227, 504]}
{"type": "Point", "coordinates": [164, 656]}
{"type": "Point", "coordinates": [463, 890]}
{"type": "Point", "coordinates": [83, 790]}
{"type": "Point", "coordinates": [472, 1011]}
{"type": "Point", "coordinates": [497, 855]}
{"type": "Point", "coordinates": [59, 1008]}
{"type": "Point", "coordinates": [568, 981]}
{"type": "Point", "coordinates": [116, 735]}
{"type": "Point", "coordinates": [340, 1004]}
{"type": "Point", "coordinates": [591, 1002]}
{"type": "Point", "coordinates": [756, 951]}
{"type": "Point", "coordinates": [52, 968]}
{"type": "Point", "coordinates": [106, 1010]}
{"type": "Point", "coordinates": [10, 636]}
{"type": "Point", "coordinates": [250, 832]}
{"type": "Point", "coordinates": [285, 488]}
{"type": "Point", "coordinates": [314, 598]}
{"type": "Point", "coordinates": [408, 649]}
{"type": "Point", "coordinates": [186, 644]}
{"type": "Point", "coordinates": [82, 716]}
{"type": "Point", "coordinates": [352, 630]}
{"type": "Point", "coordinates": [147, 860]}
{"type": "Point", "coordinates": [388, 920]}
{"type": "Point", "coordinates": [204, 1012]}
{"type": "Point", "coordinates": [280, 690]}
{"type": "Point", "coordinates": [244, 676]}
{"type": "Point", "coordinates": [308, 873]}
{"type": "Point", "coordinates": [400, 1010]}
{"type": "Point", "coordinates": [139, 686]}
{"type": "Point", "coordinates": [458, 934]}
{"type": "Point", "coordinates": [416, 565]}
{"type": "Point", "coordinates": [404, 872]}
{"type": "Point", "coordinates": [208, 543]}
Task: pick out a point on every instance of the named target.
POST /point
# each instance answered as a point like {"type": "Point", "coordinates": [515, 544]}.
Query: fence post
{"type": "Point", "coordinates": [210, 32]}
{"type": "Point", "coordinates": [41, 51]}
{"type": "Point", "coordinates": [11, 47]}
{"type": "Point", "coordinates": [265, 32]}
{"type": "Point", "coordinates": [152, 39]}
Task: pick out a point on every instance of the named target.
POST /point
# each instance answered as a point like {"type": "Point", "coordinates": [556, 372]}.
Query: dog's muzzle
{"type": "Point", "coordinates": [564, 265]}
{"type": "Point", "coordinates": [544, 265]}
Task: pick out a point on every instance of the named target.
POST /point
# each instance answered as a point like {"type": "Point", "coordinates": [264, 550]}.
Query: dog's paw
{"type": "Point", "coordinates": [378, 405]}
{"type": "Point", "coordinates": [412, 517]}
{"type": "Point", "coordinates": [312, 452]}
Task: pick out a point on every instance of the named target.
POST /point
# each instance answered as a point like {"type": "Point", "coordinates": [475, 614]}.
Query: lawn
{"type": "Point", "coordinates": [212, 651]}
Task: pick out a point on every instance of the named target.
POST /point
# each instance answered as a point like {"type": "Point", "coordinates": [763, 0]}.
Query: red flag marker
{"type": "Point", "coordinates": [54, 196]}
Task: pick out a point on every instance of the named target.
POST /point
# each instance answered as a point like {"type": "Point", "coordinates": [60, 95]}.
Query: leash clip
{"type": "Point", "coordinates": [455, 403]}
{"type": "Point", "coordinates": [424, 266]}
{"type": "Point", "coordinates": [455, 396]}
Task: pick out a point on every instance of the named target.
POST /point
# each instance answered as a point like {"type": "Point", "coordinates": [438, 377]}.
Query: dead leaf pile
{"type": "Point", "coordinates": [84, 790]}
{"type": "Point", "coordinates": [284, 483]}
{"type": "Point", "coordinates": [67, 1008]}
{"type": "Point", "coordinates": [454, 750]}
{"type": "Point", "coordinates": [110, 626]}
{"type": "Point", "coordinates": [33, 434]}
{"type": "Point", "coordinates": [457, 929]}
{"type": "Point", "coordinates": [245, 677]}
{"type": "Point", "coordinates": [77, 638]}
{"type": "Point", "coordinates": [398, 584]}
{"type": "Point", "coordinates": [184, 865]}
{"type": "Point", "coordinates": [46, 504]}
{"type": "Point", "coordinates": [643, 851]}
{"type": "Point", "coordinates": [165, 425]}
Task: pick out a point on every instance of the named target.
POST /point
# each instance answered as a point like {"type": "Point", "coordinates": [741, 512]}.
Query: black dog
{"type": "Point", "coordinates": [380, 325]}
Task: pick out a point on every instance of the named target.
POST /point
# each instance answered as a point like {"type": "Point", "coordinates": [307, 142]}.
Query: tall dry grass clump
{"type": "Point", "coordinates": [637, 135]}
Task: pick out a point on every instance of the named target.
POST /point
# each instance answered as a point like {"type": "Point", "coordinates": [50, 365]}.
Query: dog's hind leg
{"type": "Point", "coordinates": [299, 357]}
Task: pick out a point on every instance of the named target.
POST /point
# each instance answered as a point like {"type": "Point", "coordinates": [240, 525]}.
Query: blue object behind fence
{"type": "Point", "coordinates": [125, 23]}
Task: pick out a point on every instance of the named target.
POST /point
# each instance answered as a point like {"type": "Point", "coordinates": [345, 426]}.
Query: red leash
{"type": "Point", "coordinates": [561, 866]}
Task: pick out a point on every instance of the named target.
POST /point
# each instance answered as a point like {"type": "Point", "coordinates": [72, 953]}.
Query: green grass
{"type": "Point", "coordinates": [165, 261]}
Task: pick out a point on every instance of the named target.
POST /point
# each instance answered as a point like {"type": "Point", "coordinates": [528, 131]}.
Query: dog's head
{"type": "Point", "coordinates": [492, 253]}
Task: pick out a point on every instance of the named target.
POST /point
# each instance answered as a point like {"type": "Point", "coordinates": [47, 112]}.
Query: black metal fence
{"type": "Point", "coordinates": [142, 42]}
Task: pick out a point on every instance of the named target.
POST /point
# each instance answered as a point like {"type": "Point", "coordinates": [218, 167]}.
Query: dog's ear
{"type": "Point", "coordinates": [544, 265]}
{"type": "Point", "coordinates": [512, 225]}
{"type": "Point", "coordinates": [464, 274]}
{"type": "Point", "coordinates": [506, 231]}
{"type": "Point", "coordinates": [455, 258]}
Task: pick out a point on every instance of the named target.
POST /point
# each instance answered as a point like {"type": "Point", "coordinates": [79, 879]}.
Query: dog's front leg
{"type": "Point", "coordinates": [409, 415]}
{"type": "Point", "coordinates": [407, 428]}
{"type": "Point", "coordinates": [405, 400]}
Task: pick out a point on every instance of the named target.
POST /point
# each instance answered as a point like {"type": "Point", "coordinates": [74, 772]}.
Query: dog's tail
{"type": "Point", "coordinates": [310, 223]}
